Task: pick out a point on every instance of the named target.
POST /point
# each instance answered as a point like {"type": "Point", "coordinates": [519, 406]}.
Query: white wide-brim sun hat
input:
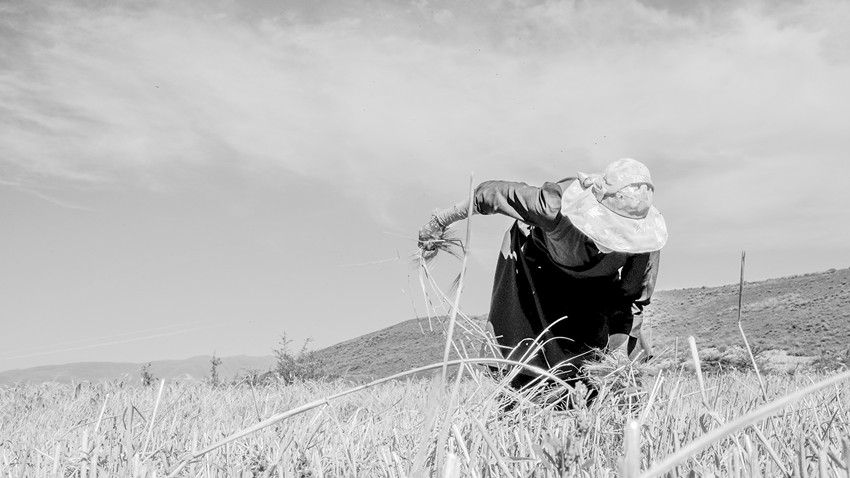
{"type": "Point", "coordinates": [614, 209]}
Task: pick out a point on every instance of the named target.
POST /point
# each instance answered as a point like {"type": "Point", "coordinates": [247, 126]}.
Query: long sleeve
{"type": "Point", "coordinates": [536, 206]}
{"type": "Point", "coordinates": [638, 277]}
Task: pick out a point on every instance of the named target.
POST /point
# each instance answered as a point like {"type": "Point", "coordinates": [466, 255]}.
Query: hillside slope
{"type": "Point", "coordinates": [803, 315]}
{"type": "Point", "coordinates": [404, 346]}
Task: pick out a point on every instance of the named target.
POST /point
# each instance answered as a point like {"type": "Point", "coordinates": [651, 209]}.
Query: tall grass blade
{"type": "Point", "coordinates": [845, 451]}
{"type": "Point", "coordinates": [417, 469]}
{"type": "Point", "coordinates": [153, 416]}
{"type": "Point", "coordinates": [741, 328]}
{"type": "Point", "coordinates": [801, 457]}
{"type": "Point", "coordinates": [460, 442]}
{"type": "Point", "coordinates": [456, 305]}
{"type": "Point", "coordinates": [57, 457]}
{"type": "Point", "coordinates": [752, 457]}
{"type": "Point", "coordinates": [631, 459]}
{"type": "Point", "coordinates": [450, 409]}
{"type": "Point", "coordinates": [698, 368]}
{"type": "Point", "coordinates": [100, 416]}
{"type": "Point", "coordinates": [488, 440]}
{"type": "Point", "coordinates": [452, 468]}
{"type": "Point", "coordinates": [770, 451]}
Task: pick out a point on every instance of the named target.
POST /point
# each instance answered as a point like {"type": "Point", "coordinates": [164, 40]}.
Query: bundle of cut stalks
{"type": "Point", "coordinates": [446, 241]}
{"type": "Point", "coordinates": [616, 377]}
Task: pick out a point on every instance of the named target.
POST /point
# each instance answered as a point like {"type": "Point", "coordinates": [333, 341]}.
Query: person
{"type": "Point", "coordinates": [580, 255]}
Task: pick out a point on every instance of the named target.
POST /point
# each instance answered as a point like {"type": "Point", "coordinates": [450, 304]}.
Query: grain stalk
{"type": "Point", "coordinates": [488, 440]}
{"type": "Point", "coordinates": [100, 416]}
{"type": "Point", "coordinates": [631, 457]}
{"type": "Point", "coordinates": [698, 368]}
{"type": "Point", "coordinates": [453, 318]}
{"type": "Point", "coordinates": [452, 468]}
{"type": "Point", "coordinates": [153, 416]}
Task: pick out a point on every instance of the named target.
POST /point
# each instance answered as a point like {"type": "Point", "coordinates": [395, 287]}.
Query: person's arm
{"type": "Point", "coordinates": [539, 206]}
{"type": "Point", "coordinates": [638, 277]}
{"type": "Point", "coordinates": [637, 281]}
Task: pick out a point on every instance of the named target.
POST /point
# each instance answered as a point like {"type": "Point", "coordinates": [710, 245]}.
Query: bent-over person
{"type": "Point", "coordinates": [581, 254]}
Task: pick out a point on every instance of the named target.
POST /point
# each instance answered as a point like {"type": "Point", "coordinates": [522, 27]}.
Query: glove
{"type": "Point", "coordinates": [430, 233]}
{"type": "Point", "coordinates": [433, 233]}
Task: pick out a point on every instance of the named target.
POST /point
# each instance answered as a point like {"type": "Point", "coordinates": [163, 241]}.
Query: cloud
{"type": "Point", "coordinates": [33, 189]}
{"type": "Point", "coordinates": [396, 97]}
{"type": "Point", "coordinates": [97, 345]}
{"type": "Point", "coordinates": [102, 341]}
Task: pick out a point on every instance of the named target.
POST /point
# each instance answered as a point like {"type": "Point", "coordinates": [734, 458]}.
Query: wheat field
{"type": "Point", "coordinates": [426, 427]}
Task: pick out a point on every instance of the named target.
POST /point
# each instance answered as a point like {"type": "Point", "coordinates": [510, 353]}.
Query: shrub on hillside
{"type": "Point", "coordinates": [147, 376]}
{"type": "Point", "coordinates": [296, 366]}
{"type": "Point", "coordinates": [214, 378]}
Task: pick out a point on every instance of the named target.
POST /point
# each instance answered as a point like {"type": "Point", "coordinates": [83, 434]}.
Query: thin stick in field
{"type": "Point", "coordinates": [453, 318]}
{"type": "Point", "coordinates": [741, 327]}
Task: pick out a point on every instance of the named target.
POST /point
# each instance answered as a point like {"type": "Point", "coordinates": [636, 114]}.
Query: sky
{"type": "Point", "coordinates": [198, 177]}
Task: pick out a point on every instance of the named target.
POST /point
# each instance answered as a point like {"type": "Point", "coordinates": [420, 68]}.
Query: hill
{"type": "Point", "coordinates": [195, 368]}
{"type": "Point", "coordinates": [404, 346]}
{"type": "Point", "coordinates": [803, 315]}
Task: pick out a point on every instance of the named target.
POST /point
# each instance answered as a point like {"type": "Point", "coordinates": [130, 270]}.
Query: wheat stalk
{"type": "Point", "coordinates": [455, 306]}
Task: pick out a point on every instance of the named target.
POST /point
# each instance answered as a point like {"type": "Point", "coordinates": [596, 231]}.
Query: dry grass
{"type": "Point", "coordinates": [394, 428]}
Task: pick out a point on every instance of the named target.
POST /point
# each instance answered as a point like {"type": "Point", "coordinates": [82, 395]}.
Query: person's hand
{"type": "Point", "coordinates": [430, 233]}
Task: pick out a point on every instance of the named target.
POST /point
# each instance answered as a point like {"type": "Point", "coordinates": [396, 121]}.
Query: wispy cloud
{"type": "Point", "coordinates": [406, 95]}
{"type": "Point", "coordinates": [29, 188]}
{"type": "Point", "coordinates": [104, 341]}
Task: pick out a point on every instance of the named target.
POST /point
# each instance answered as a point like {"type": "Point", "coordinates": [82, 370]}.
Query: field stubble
{"type": "Point", "coordinates": [415, 428]}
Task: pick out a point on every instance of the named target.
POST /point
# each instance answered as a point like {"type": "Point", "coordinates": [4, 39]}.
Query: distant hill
{"type": "Point", "coordinates": [195, 368]}
{"type": "Point", "coordinates": [803, 315]}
